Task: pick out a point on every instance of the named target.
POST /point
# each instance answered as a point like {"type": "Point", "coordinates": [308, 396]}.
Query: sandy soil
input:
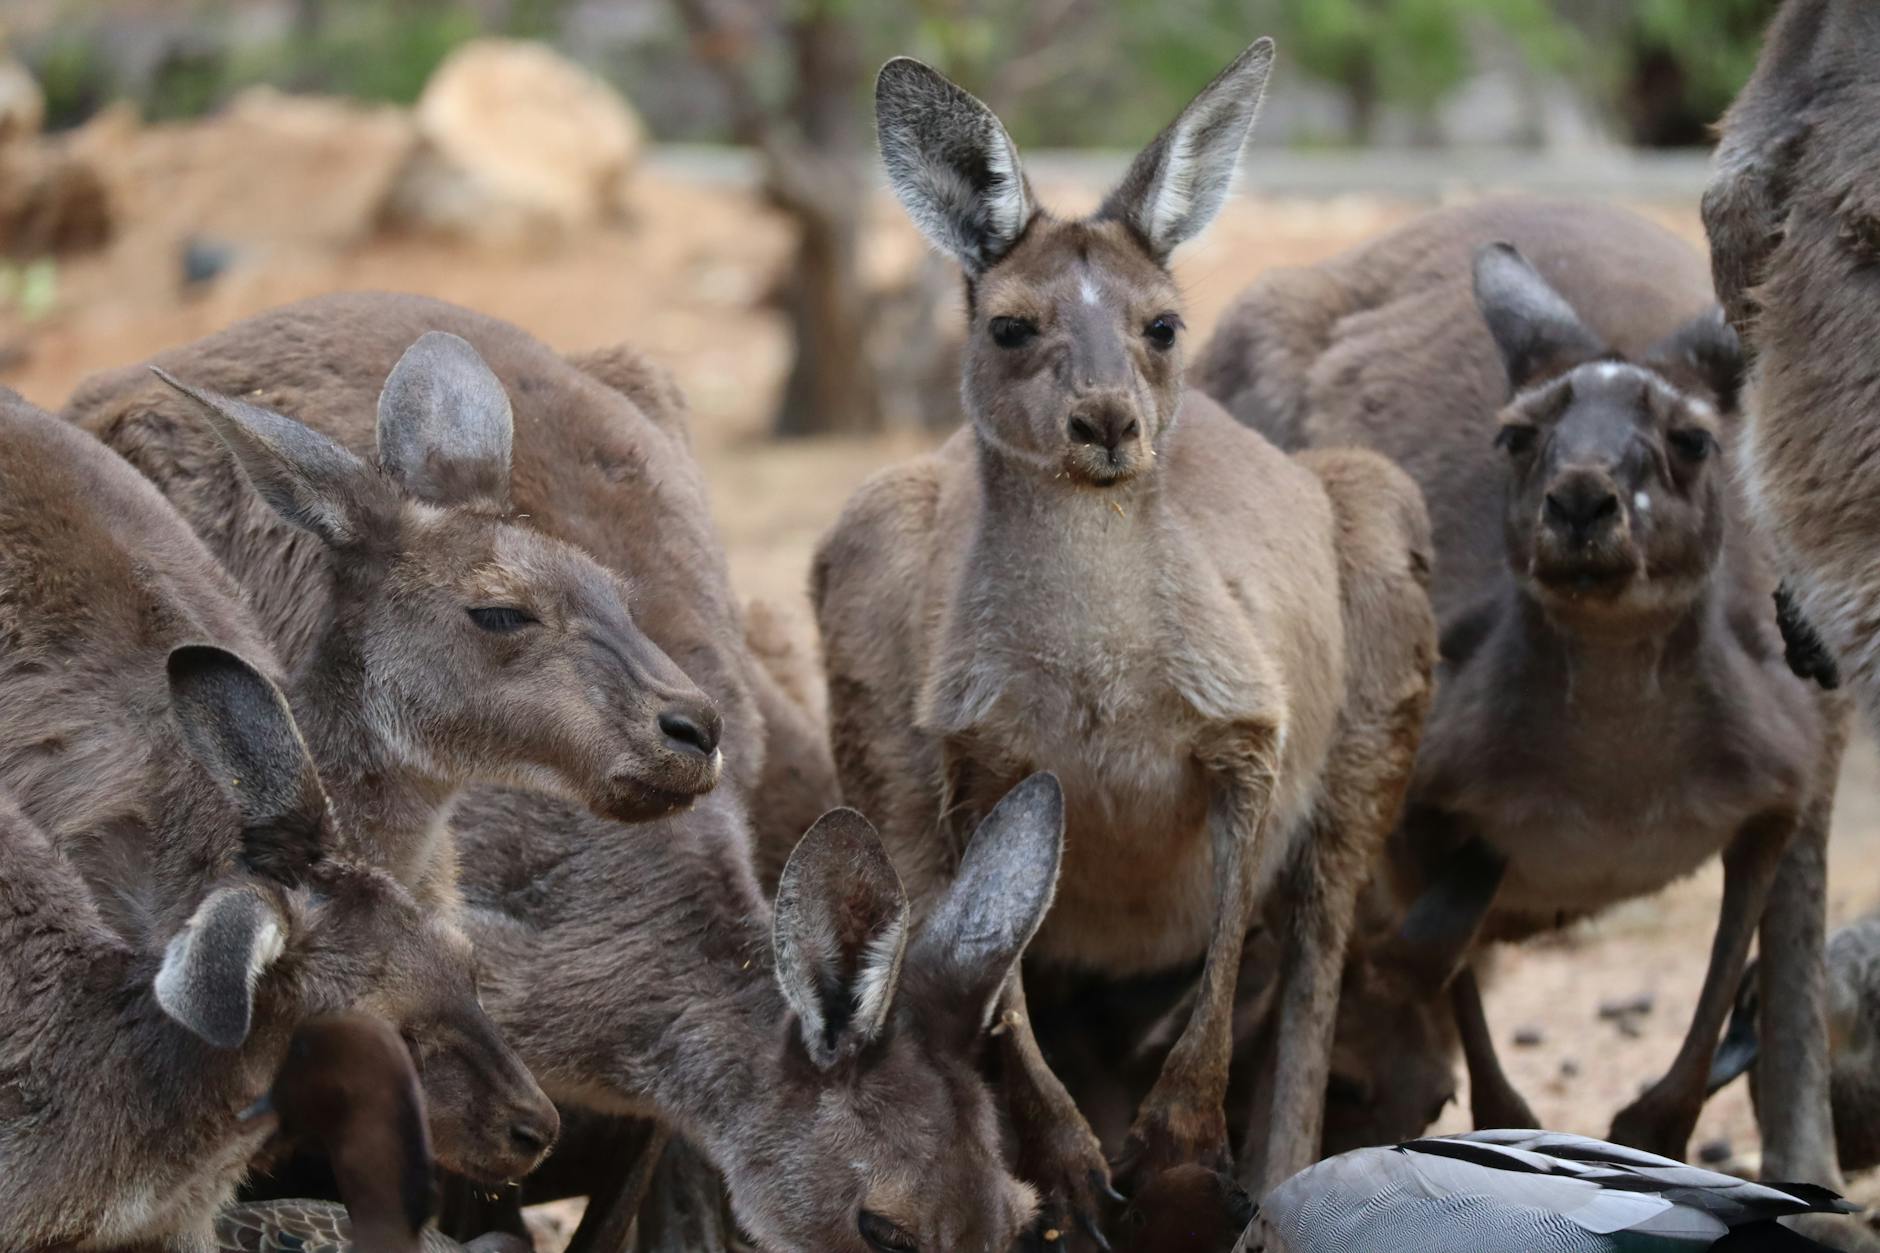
{"type": "Point", "coordinates": [685, 281]}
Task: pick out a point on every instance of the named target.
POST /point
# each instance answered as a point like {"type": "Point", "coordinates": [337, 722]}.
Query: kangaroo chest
{"type": "Point", "coordinates": [1095, 673]}
{"type": "Point", "coordinates": [1598, 792]}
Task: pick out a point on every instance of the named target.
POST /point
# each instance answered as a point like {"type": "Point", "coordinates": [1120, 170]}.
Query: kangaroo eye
{"type": "Point", "coordinates": [1516, 439]}
{"type": "Point", "coordinates": [1012, 332]}
{"type": "Point", "coordinates": [1161, 332]}
{"type": "Point", "coordinates": [501, 618]}
{"type": "Point", "coordinates": [883, 1236]}
{"type": "Point", "coordinates": [1691, 443]}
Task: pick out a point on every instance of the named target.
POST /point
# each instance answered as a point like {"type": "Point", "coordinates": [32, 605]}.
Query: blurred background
{"type": "Point", "coordinates": [698, 177]}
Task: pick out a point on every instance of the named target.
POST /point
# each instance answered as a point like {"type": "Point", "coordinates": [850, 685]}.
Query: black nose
{"type": "Point", "coordinates": [1106, 428]}
{"type": "Point", "coordinates": [693, 731]}
{"type": "Point", "coordinates": [1582, 504]}
{"type": "Point", "coordinates": [531, 1137]}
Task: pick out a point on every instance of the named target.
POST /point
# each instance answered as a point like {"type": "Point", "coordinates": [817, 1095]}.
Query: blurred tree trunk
{"type": "Point", "coordinates": [814, 171]}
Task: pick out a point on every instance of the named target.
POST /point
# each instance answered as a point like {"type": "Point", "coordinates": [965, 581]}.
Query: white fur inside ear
{"type": "Point", "coordinates": [880, 972]}
{"type": "Point", "coordinates": [1202, 155]}
{"type": "Point", "coordinates": [211, 967]}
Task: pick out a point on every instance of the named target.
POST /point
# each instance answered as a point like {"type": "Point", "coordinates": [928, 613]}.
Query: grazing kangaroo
{"type": "Point", "coordinates": [1613, 708]}
{"type": "Point", "coordinates": [1223, 652]}
{"type": "Point", "coordinates": [433, 639]}
{"type": "Point", "coordinates": [823, 1055]}
{"type": "Point", "coordinates": [176, 895]}
{"type": "Point", "coordinates": [348, 1084]}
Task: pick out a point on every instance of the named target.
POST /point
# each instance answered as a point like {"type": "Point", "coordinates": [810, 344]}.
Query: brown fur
{"type": "Point", "coordinates": [1222, 651]}
{"type": "Point", "coordinates": [126, 829]}
{"type": "Point", "coordinates": [404, 698]}
{"type": "Point", "coordinates": [1613, 708]}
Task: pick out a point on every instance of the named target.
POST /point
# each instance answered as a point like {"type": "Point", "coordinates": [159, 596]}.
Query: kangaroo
{"type": "Point", "coordinates": [1613, 708]}
{"type": "Point", "coordinates": [823, 1054]}
{"type": "Point", "coordinates": [432, 638]}
{"type": "Point", "coordinates": [1222, 651]}
{"type": "Point", "coordinates": [177, 859]}
{"type": "Point", "coordinates": [348, 1083]}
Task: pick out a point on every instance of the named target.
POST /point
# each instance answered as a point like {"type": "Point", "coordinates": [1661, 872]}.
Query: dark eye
{"type": "Point", "coordinates": [1012, 332]}
{"type": "Point", "coordinates": [1161, 332]}
{"type": "Point", "coordinates": [883, 1236]}
{"type": "Point", "coordinates": [1692, 443]}
{"type": "Point", "coordinates": [500, 618]}
{"type": "Point", "coordinates": [1346, 1090]}
{"type": "Point", "coordinates": [1516, 439]}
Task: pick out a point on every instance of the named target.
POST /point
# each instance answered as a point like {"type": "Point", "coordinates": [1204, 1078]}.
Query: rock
{"type": "Point", "coordinates": [1715, 1152]}
{"type": "Point", "coordinates": [1528, 1037]}
{"type": "Point", "coordinates": [22, 104]}
{"type": "Point", "coordinates": [520, 145]}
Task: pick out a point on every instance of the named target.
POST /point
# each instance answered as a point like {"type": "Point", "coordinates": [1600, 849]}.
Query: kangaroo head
{"type": "Point", "coordinates": [484, 649]}
{"type": "Point", "coordinates": [1073, 359]}
{"type": "Point", "coordinates": [1615, 509]}
{"type": "Point", "coordinates": [296, 926]}
{"type": "Point", "coordinates": [882, 1137]}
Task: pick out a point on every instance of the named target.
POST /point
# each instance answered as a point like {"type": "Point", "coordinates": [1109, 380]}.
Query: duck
{"type": "Point", "coordinates": [1526, 1191]}
{"type": "Point", "coordinates": [348, 1086]}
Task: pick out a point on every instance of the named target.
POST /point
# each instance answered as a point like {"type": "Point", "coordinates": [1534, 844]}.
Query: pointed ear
{"type": "Point", "coordinates": [1706, 351]}
{"type": "Point", "coordinates": [951, 163]}
{"type": "Point", "coordinates": [445, 426]}
{"type": "Point", "coordinates": [210, 968]}
{"type": "Point", "coordinates": [304, 476]}
{"type": "Point", "coordinates": [237, 725]}
{"type": "Point", "coordinates": [1533, 325]}
{"type": "Point", "coordinates": [840, 931]}
{"type": "Point", "coordinates": [1179, 182]}
{"type": "Point", "coordinates": [999, 898]}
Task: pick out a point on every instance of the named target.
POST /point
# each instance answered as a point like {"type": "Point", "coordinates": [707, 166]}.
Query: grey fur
{"type": "Point", "coordinates": [1532, 325]}
{"type": "Point", "coordinates": [1177, 185]}
{"type": "Point", "coordinates": [445, 426]}
{"type": "Point", "coordinates": [951, 164]}
{"type": "Point", "coordinates": [210, 968]}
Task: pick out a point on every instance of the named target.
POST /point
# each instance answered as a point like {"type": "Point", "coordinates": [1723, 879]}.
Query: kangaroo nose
{"type": "Point", "coordinates": [1108, 429]}
{"type": "Point", "coordinates": [531, 1136]}
{"type": "Point", "coordinates": [1583, 504]}
{"type": "Point", "coordinates": [691, 730]}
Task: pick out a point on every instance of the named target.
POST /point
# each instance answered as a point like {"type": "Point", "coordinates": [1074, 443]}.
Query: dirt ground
{"type": "Point", "coordinates": [685, 280]}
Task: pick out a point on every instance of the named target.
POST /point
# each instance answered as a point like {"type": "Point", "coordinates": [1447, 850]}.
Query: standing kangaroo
{"type": "Point", "coordinates": [1613, 707]}
{"type": "Point", "coordinates": [176, 894]}
{"type": "Point", "coordinates": [1224, 653]}
{"type": "Point", "coordinates": [433, 639]}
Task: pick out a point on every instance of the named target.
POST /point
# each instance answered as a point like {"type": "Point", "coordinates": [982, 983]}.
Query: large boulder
{"type": "Point", "coordinates": [519, 145]}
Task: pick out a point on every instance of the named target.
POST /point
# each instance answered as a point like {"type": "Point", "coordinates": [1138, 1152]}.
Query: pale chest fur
{"type": "Point", "coordinates": [1120, 656]}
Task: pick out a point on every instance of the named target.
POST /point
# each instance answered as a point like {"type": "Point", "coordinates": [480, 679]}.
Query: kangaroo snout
{"type": "Point", "coordinates": [692, 729]}
{"type": "Point", "coordinates": [1583, 505]}
{"type": "Point", "coordinates": [1102, 435]}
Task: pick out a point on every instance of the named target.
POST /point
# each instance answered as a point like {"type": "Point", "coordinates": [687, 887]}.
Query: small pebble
{"type": "Point", "coordinates": [1715, 1152]}
{"type": "Point", "coordinates": [1628, 1027]}
{"type": "Point", "coordinates": [1627, 1007]}
{"type": "Point", "coordinates": [1569, 1068]}
{"type": "Point", "coordinates": [1528, 1037]}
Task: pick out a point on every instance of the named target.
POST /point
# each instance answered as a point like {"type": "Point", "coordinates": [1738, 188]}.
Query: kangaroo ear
{"type": "Point", "coordinates": [840, 932]}
{"type": "Point", "coordinates": [999, 898]}
{"type": "Point", "coordinates": [237, 725]}
{"type": "Point", "coordinates": [1179, 182]}
{"type": "Point", "coordinates": [304, 476]}
{"type": "Point", "coordinates": [207, 980]}
{"type": "Point", "coordinates": [445, 426]}
{"type": "Point", "coordinates": [1706, 351]}
{"type": "Point", "coordinates": [951, 163]}
{"type": "Point", "coordinates": [1533, 325]}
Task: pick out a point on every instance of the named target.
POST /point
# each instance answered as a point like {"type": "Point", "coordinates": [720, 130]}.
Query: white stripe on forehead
{"type": "Point", "coordinates": [1087, 288]}
{"type": "Point", "coordinates": [1611, 371]}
